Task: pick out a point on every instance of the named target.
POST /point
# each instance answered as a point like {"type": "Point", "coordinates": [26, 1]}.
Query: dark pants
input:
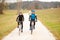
{"type": "Point", "coordinates": [31, 24]}
{"type": "Point", "coordinates": [21, 22]}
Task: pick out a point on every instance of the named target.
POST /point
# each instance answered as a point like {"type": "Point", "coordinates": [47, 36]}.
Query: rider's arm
{"type": "Point", "coordinates": [36, 18]}
{"type": "Point", "coordinates": [29, 17]}
{"type": "Point", "coordinates": [17, 18]}
{"type": "Point", "coordinates": [23, 17]}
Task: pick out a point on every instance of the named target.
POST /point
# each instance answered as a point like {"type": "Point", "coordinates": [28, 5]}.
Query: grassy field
{"type": "Point", "coordinates": [8, 22]}
{"type": "Point", "coordinates": [51, 19]}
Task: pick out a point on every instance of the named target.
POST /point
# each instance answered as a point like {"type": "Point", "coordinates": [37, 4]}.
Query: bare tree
{"type": "Point", "coordinates": [19, 3]}
{"type": "Point", "coordinates": [1, 6]}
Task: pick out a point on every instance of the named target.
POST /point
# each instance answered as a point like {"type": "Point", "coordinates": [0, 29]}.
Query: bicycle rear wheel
{"type": "Point", "coordinates": [19, 29]}
{"type": "Point", "coordinates": [31, 31]}
{"type": "Point", "coordinates": [32, 24]}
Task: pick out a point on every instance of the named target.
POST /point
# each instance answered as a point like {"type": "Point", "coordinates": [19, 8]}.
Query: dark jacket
{"type": "Point", "coordinates": [20, 18]}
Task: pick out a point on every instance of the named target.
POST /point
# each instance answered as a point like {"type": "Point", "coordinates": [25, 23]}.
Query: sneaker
{"type": "Point", "coordinates": [30, 28]}
{"type": "Point", "coordinates": [34, 27]}
{"type": "Point", "coordinates": [21, 30]}
{"type": "Point", "coordinates": [17, 26]}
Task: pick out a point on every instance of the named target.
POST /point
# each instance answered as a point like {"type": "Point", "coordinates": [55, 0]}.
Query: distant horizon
{"type": "Point", "coordinates": [14, 1]}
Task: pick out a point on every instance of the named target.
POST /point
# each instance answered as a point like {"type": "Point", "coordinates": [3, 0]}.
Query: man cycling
{"type": "Point", "coordinates": [33, 18]}
{"type": "Point", "coordinates": [20, 19]}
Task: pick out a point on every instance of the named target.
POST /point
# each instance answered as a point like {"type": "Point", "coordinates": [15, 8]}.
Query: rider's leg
{"type": "Point", "coordinates": [30, 24]}
{"type": "Point", "coordinates": [18, 25]}
{"type": "Point", "coordinates": [34, 25]}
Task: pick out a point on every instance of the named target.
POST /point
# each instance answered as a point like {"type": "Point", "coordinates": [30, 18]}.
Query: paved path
{"type": "Point", "coordinates": [40, 33]}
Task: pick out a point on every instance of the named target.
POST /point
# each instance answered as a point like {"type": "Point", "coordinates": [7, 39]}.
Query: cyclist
{"type": "Point", "coordinates": [20, 19]}
{"type": "Point", "coordinates": [32, 18]}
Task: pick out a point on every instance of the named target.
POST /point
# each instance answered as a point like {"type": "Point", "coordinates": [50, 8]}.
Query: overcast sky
{"type": "Point", "coordinates": [32, 0]}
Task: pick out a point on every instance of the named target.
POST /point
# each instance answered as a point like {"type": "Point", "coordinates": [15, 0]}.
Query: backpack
{"type": "Point", "coordinates": [33, 16]}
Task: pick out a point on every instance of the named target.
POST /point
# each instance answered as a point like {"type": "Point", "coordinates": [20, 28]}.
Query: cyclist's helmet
{"type": "Point", "coordinates": [32, 10]}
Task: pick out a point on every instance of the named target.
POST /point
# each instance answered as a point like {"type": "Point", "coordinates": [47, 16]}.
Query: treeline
{"type": "Point", "coordinates": [33, 4]}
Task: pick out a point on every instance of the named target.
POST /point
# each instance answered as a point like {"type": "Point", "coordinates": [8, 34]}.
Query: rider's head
{"type": "Point", "coordinates": [33, 11]}
{"type": "Point", "coordinates": [20, 13]}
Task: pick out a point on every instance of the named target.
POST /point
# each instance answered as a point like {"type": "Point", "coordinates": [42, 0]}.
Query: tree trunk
{"type": "Point", "coordinates": [1, 6]}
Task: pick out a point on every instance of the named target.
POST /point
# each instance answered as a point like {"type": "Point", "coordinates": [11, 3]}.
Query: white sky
{"type": "Point", "coordinates": [32, 0]}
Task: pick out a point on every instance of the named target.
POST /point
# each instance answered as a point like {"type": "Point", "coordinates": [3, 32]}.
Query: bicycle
{"type": "Point", "coordinates": [32, 25]}
{"type": "Point", "coordinates": [20, 27]}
